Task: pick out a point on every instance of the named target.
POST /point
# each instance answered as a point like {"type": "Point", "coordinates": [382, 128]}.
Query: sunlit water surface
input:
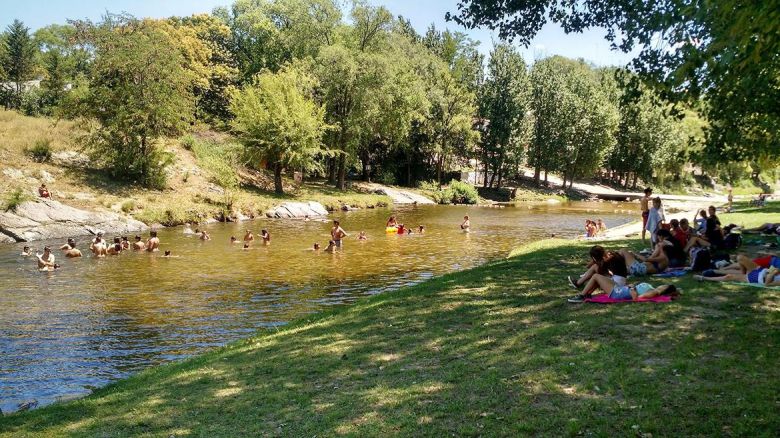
{"type": "Point", "coordinates": [98, 320]}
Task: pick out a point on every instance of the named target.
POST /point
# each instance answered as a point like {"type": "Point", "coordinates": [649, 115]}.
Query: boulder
{"type": "Point", "coordinates": [49, 219]}
{"type": "Point", "coordinates": [297, 210]}
{"type": "Point", "coordinates": [69, 159]}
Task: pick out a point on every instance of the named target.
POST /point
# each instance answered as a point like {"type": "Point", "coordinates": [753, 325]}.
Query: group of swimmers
{"type": "Point", "coordinates": [398, 228]}
{"type": "Point", "coordinates": [98, 246]}
{"type": "Point", "coordinates": [594, 228]}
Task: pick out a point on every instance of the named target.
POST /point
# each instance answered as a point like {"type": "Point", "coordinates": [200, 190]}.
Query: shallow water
{"type": "Point", "coordinates": [98, 320]}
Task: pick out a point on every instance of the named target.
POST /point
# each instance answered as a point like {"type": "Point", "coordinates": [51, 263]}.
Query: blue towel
{"type": "Point", "coordinates": [669, 274]}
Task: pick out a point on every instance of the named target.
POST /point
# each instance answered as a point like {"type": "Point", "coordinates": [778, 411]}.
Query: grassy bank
{"type": "Point", "coordinates": [205, 180]}
{"type": "Point", "coordinates": [494, 350]}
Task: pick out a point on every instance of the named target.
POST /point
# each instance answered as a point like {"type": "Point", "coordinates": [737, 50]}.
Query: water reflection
{"type": "Point", "coordinates": [97, 320]}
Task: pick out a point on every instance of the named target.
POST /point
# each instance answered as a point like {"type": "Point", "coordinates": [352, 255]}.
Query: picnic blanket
{"type": "Point", "coordinates": [605, 299]}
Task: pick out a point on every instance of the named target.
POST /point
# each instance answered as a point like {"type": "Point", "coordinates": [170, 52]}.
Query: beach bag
{"type": "Point", "coordinates": [732, 241]}
{"type": "Point", "coordinates": [701, 259]}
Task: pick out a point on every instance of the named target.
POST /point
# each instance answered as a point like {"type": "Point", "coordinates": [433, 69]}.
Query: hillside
{"type": "Point", "coordinates": [195, 186]}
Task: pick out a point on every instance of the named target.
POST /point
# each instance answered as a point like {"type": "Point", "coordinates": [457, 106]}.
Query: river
{"type": "Point", "coordinates": [97, 320]}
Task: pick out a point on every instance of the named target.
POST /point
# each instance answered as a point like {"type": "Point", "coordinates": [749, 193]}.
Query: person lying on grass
{"type": "Point", "coordinates": [762, 276]}
{"type": "Point", "coordinates": [745, 264]}
{"type": "Point", "coordinates": [605, 263]}
{"type": "Point", "coordinates": [656, 263]}
{"type": "Point", "coordinates": [623, 292]}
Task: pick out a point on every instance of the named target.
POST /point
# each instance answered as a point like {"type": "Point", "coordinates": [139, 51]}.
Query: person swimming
{"type": "Point", "coordinates": [421, 229]}
{"type": "Point", "coordinates": [392, 222]}
{"type": "Point", "coordinates": [233, 240]}
{"type": "Point", "coordinates": [204, 235]}
{"type": "Point", "coordinates": [316, 247]}
{"type": "Point", "coordinates": [26, 252]}
{"type": "Point", "coordinates": [331, 246]}
{"type": "Point", "coordinates": [362, 236]}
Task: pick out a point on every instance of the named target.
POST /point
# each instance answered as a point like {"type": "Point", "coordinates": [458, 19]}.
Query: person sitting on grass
{"type": "Point", "coordinates": [762, 276]}
{"type": "Point", "coordinates": [712, 236]}
{"type": "Point", "coordinates": [622, 292]}
{"type": "Point", "coordinates": [605, 263]}
{"type": "Point", "coordinates": [672, 248]}
{"type": "Point", "coordinates": [700, 221]}
{"type": "Point", "coordinates": [678, 233]}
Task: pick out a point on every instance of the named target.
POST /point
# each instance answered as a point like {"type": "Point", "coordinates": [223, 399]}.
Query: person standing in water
{"type": "Point", "coordinates": [266, 236]}
{"type": "Point", "coordinates": [337, 234]}
{"type": "Point", "coordinates": [70, 249]}
{"type": "Point", "coordinates": [153, 244]}
{"type": "Point", "coordinates": [466, 225]}
{"type": "Point", "coordinates": [138, 245]}
{"type": "Point", "coordinates": [644, 205]}
{"type": "Point", "coordinates": [45, 260]}
{"type": "Point", "coordinates": [248, 236]}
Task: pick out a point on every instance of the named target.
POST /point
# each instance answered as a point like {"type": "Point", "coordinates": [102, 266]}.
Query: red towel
{"type": "Point", "coordinates": [605, 299]}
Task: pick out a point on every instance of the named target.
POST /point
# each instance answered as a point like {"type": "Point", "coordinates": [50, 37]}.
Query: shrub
{"type": "Point", "coordinates": [386, 177]}
{"type": "Point", "coordinates": [188, 142]}
{"type": "Point", "coordinates": [40, 151]}
{"type": "Point", "coordinates": [463, 193]}
{"type": "Point", "coordinates": [128, 206]}
{"type": "Point", "coordinates": [15, 198]}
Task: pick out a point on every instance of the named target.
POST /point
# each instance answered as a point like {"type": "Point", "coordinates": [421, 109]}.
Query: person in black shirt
{"type": "Point", "coordinates": [602, 262]}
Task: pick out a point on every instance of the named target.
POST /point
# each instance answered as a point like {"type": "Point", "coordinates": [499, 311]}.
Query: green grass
{"type": "Point", "coordinates": [747, 216]}
{"type": "Point", "coordinates": [492, 351]}
{"type": "Point", "coordinates": [14, 199]}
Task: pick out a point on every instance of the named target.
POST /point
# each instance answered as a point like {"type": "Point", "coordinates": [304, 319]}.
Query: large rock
{"type": "Point", "coordinates": [403, 196]}
{"type": "Point", "coordinates": [49, 219]}
{"type": "Point", "coordinates": [298, 209]}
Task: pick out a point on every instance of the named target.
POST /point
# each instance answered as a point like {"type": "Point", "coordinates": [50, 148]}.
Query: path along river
{"type": "Point", "coordinates": [98, 320]}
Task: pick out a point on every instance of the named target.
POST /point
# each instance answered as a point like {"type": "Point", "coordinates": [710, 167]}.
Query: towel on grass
{"type": "Point", "coordinates": [672, 273]}
{"type": "Point", "coordinates": [605, 299]}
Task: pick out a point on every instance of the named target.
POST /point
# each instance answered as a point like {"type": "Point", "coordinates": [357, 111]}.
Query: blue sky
{"type": "Point", "coordinates": [550, 41]}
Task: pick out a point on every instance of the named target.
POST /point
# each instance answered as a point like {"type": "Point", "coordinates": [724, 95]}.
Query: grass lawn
{"type": "Point", "coordinates": [494, 350]}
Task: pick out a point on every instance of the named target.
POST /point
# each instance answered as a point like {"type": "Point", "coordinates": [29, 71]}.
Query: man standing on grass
{"type": "Point", "coordinates": [337, 234]}
{"type": "Point", "coordinates": [644, 204]}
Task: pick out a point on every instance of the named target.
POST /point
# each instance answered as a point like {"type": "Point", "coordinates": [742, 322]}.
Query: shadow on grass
{"type": "Point", "coordinates": [495, 350]}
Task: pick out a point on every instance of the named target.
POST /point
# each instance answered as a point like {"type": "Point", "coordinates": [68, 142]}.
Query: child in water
{"type": "Point", "coordinates": [362, 236]}
{"type": "Point", "coordinates": [466, 225]}
{"type": "Point", "coordinates": [26, 252]}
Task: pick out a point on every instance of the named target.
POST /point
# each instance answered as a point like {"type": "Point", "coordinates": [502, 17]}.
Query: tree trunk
{"type": "Point", "coordinates": [331, 170]}
{"type": "Point", "coordinates": [409, 171]}
{"type": "Point", "coordinates": [278, 188]}
{"type": "Point", "coordinates": [545, 179]}
{"type": "Point", "coordinates": [364, 158]}
{"type": "Point", "coordinates": [500, 176]}
{"type": "Point", "coordinates": [342, 177]}
{"type": "Point", "coordinates": [439, 163]}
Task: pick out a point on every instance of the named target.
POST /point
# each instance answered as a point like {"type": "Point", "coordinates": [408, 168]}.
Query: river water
{"type": "Point", "coordinates": [98, 320]}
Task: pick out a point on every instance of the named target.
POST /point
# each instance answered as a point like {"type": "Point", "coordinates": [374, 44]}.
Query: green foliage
{"type": "Point", "coordinates": [278, 121]}
{"type": "Point", "coordinates": [33, 102]}
{"type": "Point", "coordinates": [721, 51]}
{"type": "Point", "coordinates": [505, 112]}
{"type": "Point", "coordinates": [40, 151]}
{"type": "Point", "coordinates": [219, 159]}
{"type": "Point", "coordinates": [128, 206]}
{"type": "Point", "coordinates": [456, 192]}
{"type": "Point", "coordinates": [128, 111]}
{"type": "Point", "coordinates": [17, 56]}
{"type": "Point", "coordinates": [15, 198]}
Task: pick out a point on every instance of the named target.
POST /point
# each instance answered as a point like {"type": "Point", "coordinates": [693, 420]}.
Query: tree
{"type": "Point", "coordinates": [504, 106]}
{"type": "Point", "coordinates": [54, 83]}
{"type": "Point", "coordinates": [18, 58]}
{"type": "Point", "coordinates": [278, 121]}
{"type": "Point", "coordinates": [724, 51]}
{"type": "Point", "coordinates": [139, 90]}
{"type": "Point", "coordinates": [574, 120]}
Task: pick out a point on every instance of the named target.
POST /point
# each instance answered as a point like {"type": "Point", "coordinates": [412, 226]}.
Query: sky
{"type": "Point", "coordinates": [590, 45]}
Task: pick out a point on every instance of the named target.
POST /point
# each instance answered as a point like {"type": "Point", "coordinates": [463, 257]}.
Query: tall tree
{"type": "Point", "coordinates": [139, 90]}
{"type": "Point", "coordinates": [18, 57]}
{"type": "Point", "coordinates": [278, 121]}
{"type": "Point", "coordinates": [504, 107]}
{"type": "Point", "coordinates": [724, 51]}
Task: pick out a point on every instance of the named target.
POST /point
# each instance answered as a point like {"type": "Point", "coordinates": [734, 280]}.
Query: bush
{"type": "Point", "coordinates": [456, 192]}
{"type": "Point", "coordinates": [219, 160]}
{"type": "Point", "coordinates": [40, 152]}
{"type": "Point", "coordinates": [386, 177]}
{"type": "Point", "coordinates": [33, 103]}
{"type": "Point", "coordinates": [15, 198]}
{"type": "Point", "coordinates": [188, 142]}
{"type": "Point", "coordinates": [128, 206]}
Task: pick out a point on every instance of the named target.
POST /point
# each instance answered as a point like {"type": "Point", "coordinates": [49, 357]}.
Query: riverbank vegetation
{"type": "Point", "coordinates": [383, 102]}
{"type": "Point", "coordinates": [494, 350]}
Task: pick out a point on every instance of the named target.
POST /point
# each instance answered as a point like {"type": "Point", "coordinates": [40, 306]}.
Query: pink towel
{"type": "Point", "coordinates": [605, 299]}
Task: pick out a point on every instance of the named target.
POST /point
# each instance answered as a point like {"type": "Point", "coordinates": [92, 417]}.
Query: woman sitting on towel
{"type": "Point", "coordinates": [658, 261]}
{"type": "Point", "coordinates": [626, 292]}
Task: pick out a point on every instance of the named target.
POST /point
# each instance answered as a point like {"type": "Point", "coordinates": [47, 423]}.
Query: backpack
{"type": "Point", "coordinates": [701, 259]}
{"type": "Point", "coordinates": [732, 241]}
